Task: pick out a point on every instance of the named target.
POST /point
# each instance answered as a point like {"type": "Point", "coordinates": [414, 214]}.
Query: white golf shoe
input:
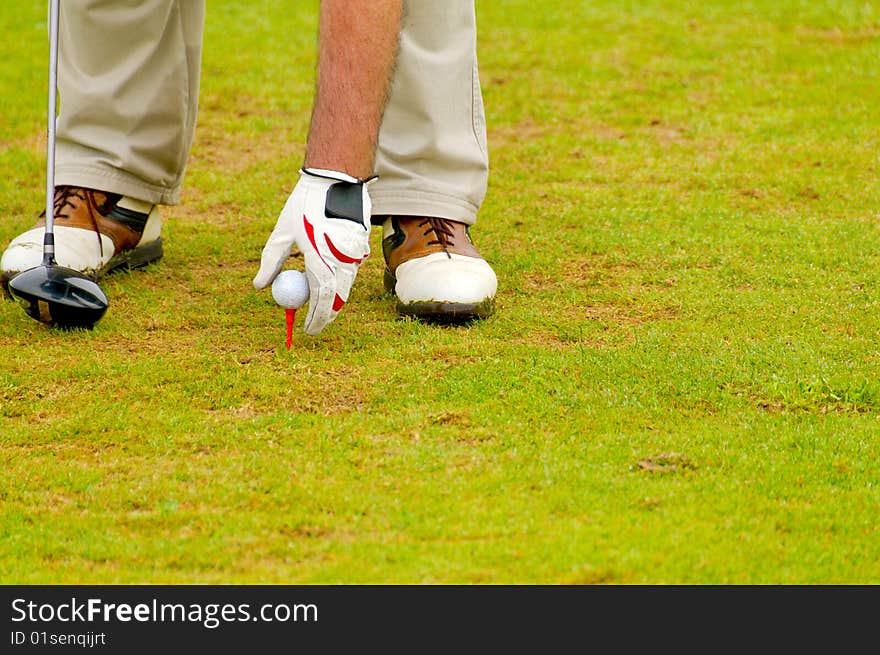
{"type": "Point", "coordinates": [436, 272]}
{"type": "Point", "coordinates": [95, 234]}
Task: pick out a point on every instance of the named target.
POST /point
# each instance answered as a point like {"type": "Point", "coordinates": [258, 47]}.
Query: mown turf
{"type": "Point", "coordinates": [680, 384]}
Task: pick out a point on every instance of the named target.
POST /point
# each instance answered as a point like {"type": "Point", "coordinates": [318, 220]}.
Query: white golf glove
{"type": "Point", "coordinates": [328, 217]}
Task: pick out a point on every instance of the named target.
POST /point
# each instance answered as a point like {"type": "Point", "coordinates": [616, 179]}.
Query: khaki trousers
{"type": "Point", "coordinates": [128, 99]}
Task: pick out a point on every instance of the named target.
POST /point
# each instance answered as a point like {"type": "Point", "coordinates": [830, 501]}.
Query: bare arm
{"type": "Point", "coordinates": [357, 46]}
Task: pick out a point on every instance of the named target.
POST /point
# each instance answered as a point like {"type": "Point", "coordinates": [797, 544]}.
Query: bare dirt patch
{"type": "Point", "coordinates": [666, 463]}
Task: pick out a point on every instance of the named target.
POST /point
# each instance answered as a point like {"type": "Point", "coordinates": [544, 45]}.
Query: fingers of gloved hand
{"type": "Point", "coordinates": [276, 251]}
{"type": "Point", "coordinates": [329, 289]}
{"type": "Point", "coordinates": [322, 294]}
{"type": "Point", "coordinates": [330, 303]}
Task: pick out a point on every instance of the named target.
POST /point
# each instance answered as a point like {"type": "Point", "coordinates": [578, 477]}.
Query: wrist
{"type": "Point", "coordinates": [337, 176]}
{"type": "Point", "coordinates": [330, 174]}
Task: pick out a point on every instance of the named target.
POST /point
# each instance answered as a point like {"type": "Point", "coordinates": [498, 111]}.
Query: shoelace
{"type": "Point", "coordinates": [63, 198]}
{"type": "Point", "coordinates": [442, 229]}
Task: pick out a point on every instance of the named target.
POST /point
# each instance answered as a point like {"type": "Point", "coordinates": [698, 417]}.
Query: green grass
{"type": "Point", "coordinates": [681, 383]}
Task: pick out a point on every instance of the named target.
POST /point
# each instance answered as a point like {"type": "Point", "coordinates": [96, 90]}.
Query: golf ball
{"type": "Point", "coordinates": [290, 289]}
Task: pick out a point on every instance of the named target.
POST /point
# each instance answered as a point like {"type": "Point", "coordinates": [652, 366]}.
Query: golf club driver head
{"type": "Point", "coordinates": [59, 296]}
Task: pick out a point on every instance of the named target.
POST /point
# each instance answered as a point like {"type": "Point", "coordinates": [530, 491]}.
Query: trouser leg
{"type": "Point", "coordinates": [128, 78]}
{"type": "Point", "coordinates": [432, 157]}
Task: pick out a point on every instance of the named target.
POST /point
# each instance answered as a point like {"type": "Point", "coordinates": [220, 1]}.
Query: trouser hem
{"type": "Point", "coordinates": [422, 203]}
{"type": "Point", "coordinates": [115, 181]}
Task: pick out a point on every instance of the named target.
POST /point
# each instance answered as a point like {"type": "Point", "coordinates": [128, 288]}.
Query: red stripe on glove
{"type": "Point", "coordinates": [341, 256]}
{"type": "Point", "coordinates": [310, 233]}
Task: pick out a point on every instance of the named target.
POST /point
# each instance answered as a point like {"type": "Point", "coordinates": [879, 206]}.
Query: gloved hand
{"type": "Point", "coordinates": [328, 217]}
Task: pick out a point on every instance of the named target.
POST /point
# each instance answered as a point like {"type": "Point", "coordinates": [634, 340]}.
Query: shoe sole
{"type": "Point", "coordinates": [444, 313]}
{"type": "Point", "coordinates": [134, 258]}
{"type": "Point", "coordinates": [130, 259]}
{"type": "Point", "coordinates": [447, 313]}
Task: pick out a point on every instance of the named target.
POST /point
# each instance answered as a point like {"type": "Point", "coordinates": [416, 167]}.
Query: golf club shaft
{"type": "Point", "coordinates": [49, 238]}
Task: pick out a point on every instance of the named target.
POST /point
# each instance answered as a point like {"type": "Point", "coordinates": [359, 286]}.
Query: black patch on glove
{"type": "Point", "coordinates": [345, 200]}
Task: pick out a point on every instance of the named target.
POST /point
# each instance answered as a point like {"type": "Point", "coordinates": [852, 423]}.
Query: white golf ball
{"type": "Point", "coordinates": [290, 289]}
